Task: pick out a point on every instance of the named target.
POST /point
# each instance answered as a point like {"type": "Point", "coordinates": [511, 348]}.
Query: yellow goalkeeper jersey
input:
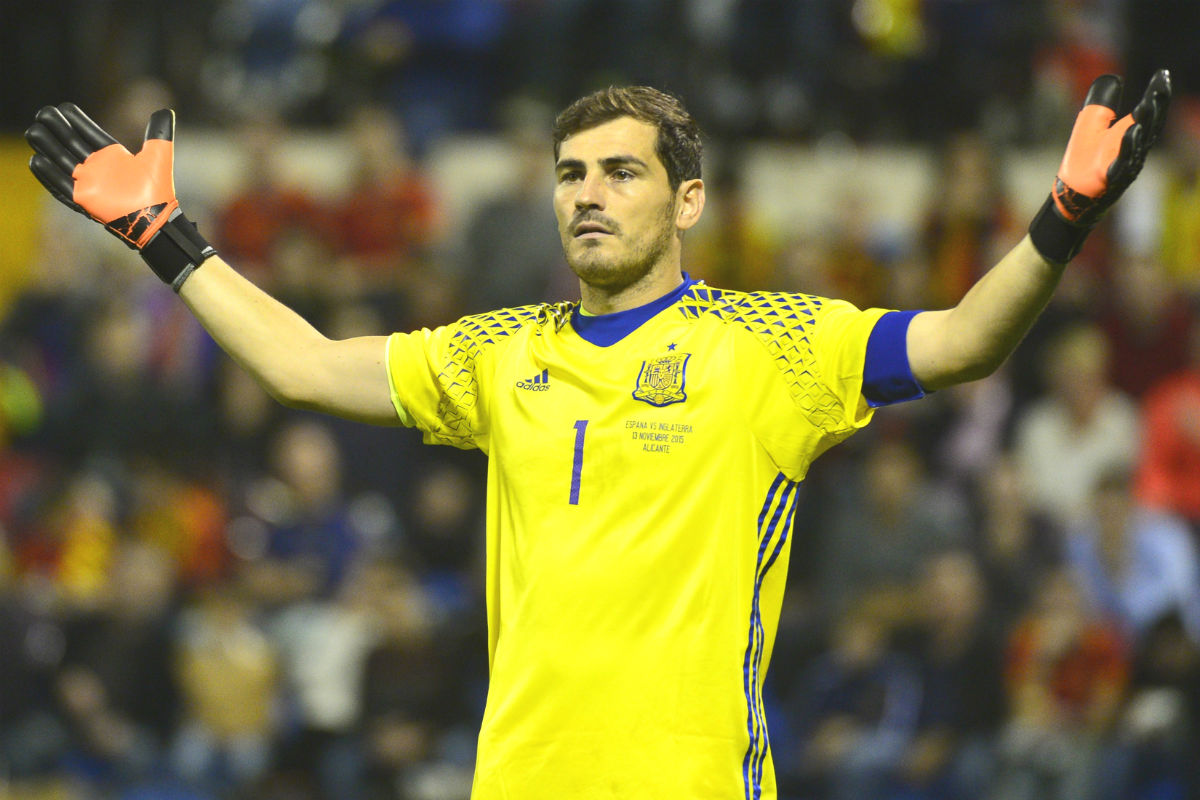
{"type": "Point", "coordinates": [643, 473]}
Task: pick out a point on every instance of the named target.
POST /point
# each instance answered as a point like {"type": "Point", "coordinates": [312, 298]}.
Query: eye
{"type": "Point", "coordinates": [569, 176]}
{"type": "Point", "coordinates": [622, 175]}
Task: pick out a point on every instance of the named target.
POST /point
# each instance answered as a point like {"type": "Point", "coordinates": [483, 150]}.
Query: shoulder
{"type": "Point", "coordinates": [478, 331]}
{"type": "Point", "coordinates": [788, 324]}
{"type": "Point", "coordinates": [755, 311]}
{"type": "Point", "coordinates": [1164, 529]}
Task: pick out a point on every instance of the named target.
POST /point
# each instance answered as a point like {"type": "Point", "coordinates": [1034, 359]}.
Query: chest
{"type": "Point", "coordinates": [580, 421]}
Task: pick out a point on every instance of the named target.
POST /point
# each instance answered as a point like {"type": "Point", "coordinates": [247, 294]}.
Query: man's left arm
{"type": "Point", "coordinates": [1104, 155]}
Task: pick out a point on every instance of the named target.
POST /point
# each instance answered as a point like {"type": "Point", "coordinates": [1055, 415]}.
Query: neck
{"type": "Point", "coordinates": [655, 284]}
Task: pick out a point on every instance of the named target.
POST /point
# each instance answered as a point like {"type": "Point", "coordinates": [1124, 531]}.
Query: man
{"type": "Point", "coordinates": [645, 444]}
{"type": "Point", "coordinates": [1136, 564]}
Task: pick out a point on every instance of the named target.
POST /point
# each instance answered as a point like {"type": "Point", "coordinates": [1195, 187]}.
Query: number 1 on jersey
{"type": "Point", "coordinates": [577, 461]}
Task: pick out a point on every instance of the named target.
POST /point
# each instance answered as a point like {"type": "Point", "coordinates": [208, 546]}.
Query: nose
{"type": "Point", "coordinates": [590, 194]}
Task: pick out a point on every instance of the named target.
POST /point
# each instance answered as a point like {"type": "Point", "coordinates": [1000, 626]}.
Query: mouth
{"type": "Point", "coordinates": [591, 230]}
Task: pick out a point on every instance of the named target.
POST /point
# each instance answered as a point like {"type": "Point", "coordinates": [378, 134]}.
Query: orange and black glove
{"type": "Point", "coordinates": [1104, 155]}
{"type": "Point", "coordinates": [133, 196]}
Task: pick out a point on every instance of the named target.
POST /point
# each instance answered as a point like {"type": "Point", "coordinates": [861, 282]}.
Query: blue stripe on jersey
{"type": "Point", "coordinates": [755, 714]}
{"type": "Point", "coordinates": [785, 529]}
{"type": "Point", "coordinates": [887, 374]}
{"type": "Point", "coordinates": [603, 330]}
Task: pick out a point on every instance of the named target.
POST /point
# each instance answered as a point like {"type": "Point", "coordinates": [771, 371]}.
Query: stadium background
{"type": "Point", "coordinates": [205, 595]}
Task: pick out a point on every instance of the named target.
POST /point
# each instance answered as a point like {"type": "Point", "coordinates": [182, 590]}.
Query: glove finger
{"type": "Point", "coordinates": [43, 141]}
{"type": "Point", "coordinates": [1151, 111]}
{"type": "Point", "coordinates": [1129, 160]}
{"type": "Point", "coordinates": [57, 124]}
{"type": "Point", "coordinates": [95, 136]}
{"type": "Point", "coordinates": [161, 125]}
{"type": "Point", "coordinates": [61, 185]}
{"type": "Point", "coordinates": [1105, 91]}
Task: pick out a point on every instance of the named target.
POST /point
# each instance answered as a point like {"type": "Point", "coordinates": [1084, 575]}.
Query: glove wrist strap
{"type": "Point", "coordinates": [176, 250]}
{"type": "Point", "coordinates": [1055, 238]}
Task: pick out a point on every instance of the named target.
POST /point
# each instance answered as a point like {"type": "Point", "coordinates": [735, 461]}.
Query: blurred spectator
{"type": "Point", "coordinates": [855, 713]}
{"type": "Point", "coordinates": [297, 539]}
{"type": "Point", "coordinates": [270, 56]}
{"type": "Point", "coordinates": [183, 519]}
{"type": "Point", "coordinates": [247, 420]}
{"type": "Point", "coordinates": [116, 686]}
{"type": "Point", "coordinates": [376, 462]}
{"type": "Point", "coordinates": [1160, 725]}
{"type": "Point", "coordinates": [1136, 565]}
{"type": "Point", "coordinates": [1168, 476]}
{"type": "Point", "coordinates": [443, 513]}
{"type": "Point", "coordinates": [439, 64]}
{"type": "Point", "coordinates": [511, 253]}
{"type": "Point", "coordinates": [806, 264]}
{"type": "Point", "coordinates": [413, 693]}
{"type": "Point", "coordinates": [136, 97]}
{"type": "Point", "coordinates": [389, 219]}
{"type": "Point", "coordinates": [77, 539]}
{"type": "Point", "coordinates": [1155, 35]}
{"type": "Point", "coordinates": [256, 214]}
{"type": "Point", "coordinates": [1016, 547]}
{"type": "Point", "coordinates": [307, 274]}
{"type": "Point", "coordinates": [324, 644]}
{"type": "Point", "coordinates": [733, 248]}
{"type": "Point", "coordinates": [228, 674]}
{"type": "Point", "coordinates": [1066, 672]}
{"type": "Point", "coordinates": [970, 223]}
{"type": "Point", "coordinates": [859, 254]}
{"type": "Point", "coordinates": [883, 526]}
{"type": "Point", "coordinates": [1083, 427]}
{"type": "Point", "coordinates": [565, 47]}
{"type": "Point", "coordinates": [1079, 42]}
{"type": "Point", "coordinates": [33, 737]}
{"type": "Point", "coordinates": [760, 68]}
{"type": "Point", "coordinates": [970, 428]}
{"type": "Point", "coordinates": [1148, 322]}
{"type": "Point", "coordinates": [958, 651]}
{"type": "Point", "coordinates": [975, 71]}
{"type": "Point", "coordinates": [1180, 213]}
{"type": "Point", "coordinates": [119, 402]}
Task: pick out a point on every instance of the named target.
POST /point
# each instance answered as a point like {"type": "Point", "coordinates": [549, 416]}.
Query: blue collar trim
{"type": "Point", "coordinates": [604, 330]}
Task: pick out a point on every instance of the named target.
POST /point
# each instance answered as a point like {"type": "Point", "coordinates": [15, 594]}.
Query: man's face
{"type": "Point", "coordinates": [615, 207]}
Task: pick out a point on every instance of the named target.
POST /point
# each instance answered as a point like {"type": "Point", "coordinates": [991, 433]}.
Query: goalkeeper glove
{"type": "Point", "coordinates": [133, 196]}
{"type": "Point", "coordinates": [1104, 155]}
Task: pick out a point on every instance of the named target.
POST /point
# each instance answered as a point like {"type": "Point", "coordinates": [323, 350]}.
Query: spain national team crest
{"type": "Point", "coordinates": [661, 380]}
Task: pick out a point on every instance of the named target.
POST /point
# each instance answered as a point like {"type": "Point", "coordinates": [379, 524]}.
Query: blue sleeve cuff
{"type": "Point", "coordinates": [887, 375]}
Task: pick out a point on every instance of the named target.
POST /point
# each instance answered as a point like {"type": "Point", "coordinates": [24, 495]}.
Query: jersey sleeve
{"type": "Point", "coordinates": [438, 381]}
{"type": "Point", "coordinates": [839, 346]}
{"type": "Point", "coordinates": [441, 379]}
{"type": "Point", "coordinates": [802, 373]}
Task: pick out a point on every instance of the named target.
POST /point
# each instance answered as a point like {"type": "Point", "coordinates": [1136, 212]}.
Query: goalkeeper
{"type": "Point", "coordinates": [645, 443]}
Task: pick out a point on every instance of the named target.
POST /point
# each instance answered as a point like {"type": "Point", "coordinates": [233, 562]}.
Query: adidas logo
{"type": "Point", "coordinates": [538, 383]}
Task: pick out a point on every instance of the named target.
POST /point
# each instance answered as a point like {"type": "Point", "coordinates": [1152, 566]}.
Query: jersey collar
{"type": "Point", "coordinates": [603, 330]}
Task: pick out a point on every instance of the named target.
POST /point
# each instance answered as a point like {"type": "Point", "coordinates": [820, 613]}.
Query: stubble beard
{"type": "Point", "coordinates": [611, 275]}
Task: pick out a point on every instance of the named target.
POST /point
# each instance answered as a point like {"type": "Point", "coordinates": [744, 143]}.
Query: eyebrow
{"type": "Point", "coordinates": [620, 161]}
{"type": "Point", "coordinates": [608, 163]}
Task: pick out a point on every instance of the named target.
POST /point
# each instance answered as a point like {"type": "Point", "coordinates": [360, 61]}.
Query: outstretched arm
{"type": "Point", "coordinates": [1103, 157]}
{"type": "Point", "coordinates": [133, 196]}
{"type": "Point", "coordinates": [296, 364]}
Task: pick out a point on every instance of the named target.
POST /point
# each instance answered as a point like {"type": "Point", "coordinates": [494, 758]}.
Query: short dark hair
{"type": "Point", "coordinates": [678, 145]}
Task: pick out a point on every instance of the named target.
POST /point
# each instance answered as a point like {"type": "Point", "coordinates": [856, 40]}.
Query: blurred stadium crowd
{"type": "Point", "coordinates": [994, 592]}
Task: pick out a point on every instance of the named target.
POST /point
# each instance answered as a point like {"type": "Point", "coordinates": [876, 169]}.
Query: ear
{"type": "Point", "coordinates": [689, 203]}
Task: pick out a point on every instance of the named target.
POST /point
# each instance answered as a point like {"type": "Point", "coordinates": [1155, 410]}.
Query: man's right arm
{"type": "Point", "coordinates": [293, 362]}
{"type": "Point", "coordinates": [133, 196]}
